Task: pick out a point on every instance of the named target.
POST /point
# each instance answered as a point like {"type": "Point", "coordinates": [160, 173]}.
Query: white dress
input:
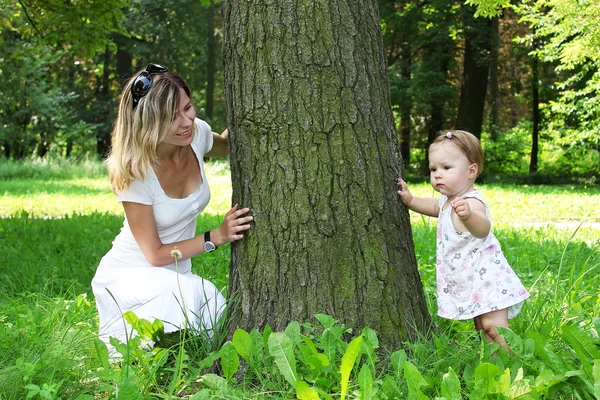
{"type": "Point", "coordinates": [473, 276]}
{"type": "Point", "coordinates": [126, 281]}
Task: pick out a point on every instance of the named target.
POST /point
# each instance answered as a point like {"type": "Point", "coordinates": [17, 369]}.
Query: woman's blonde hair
{"type": "Point", "coordinates": [466, 142]}
{"type": "Point", "coordinates": [138, 131]}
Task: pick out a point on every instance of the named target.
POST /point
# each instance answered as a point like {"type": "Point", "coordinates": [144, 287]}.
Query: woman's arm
{"type": "Point", "coordinates": [143, 226]}
{"type": "Point", "coordinates": [220, 145]}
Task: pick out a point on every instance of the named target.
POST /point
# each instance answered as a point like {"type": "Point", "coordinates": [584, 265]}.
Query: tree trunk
{"type": "Point", "coordinates": [103, 138]}
{"type": "Point", "coordinates": [211, 61]}
{"type": "Point", "coordinates": [475, 72]}
{"type": "Point", "coordinates": [535, 91]}
{"type": "Point", "coordinates": [494, 85]}
{"type": "Point", "coordinates": [315, 157]}
{"type": "Point", "coordinates": [405, 108]}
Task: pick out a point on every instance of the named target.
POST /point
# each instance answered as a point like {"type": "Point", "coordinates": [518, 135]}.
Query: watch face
{"type": "Point", "coordinates": [209, 246]}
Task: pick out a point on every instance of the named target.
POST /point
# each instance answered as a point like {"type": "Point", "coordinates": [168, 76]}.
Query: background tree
{"type": "Point", "coordinates": [315, 157]}
{"type": "Point", "coordinates": [478, 39]}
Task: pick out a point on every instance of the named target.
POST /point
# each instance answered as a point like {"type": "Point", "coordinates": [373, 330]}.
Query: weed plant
{"type": "Point", "coordinates": [54, 229]}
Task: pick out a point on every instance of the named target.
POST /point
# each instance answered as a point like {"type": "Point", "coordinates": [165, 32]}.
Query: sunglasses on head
{"type": "Point", "coordinates": [143, 81]}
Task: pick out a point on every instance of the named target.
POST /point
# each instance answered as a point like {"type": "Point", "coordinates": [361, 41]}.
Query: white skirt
{"type": "Point", "coordinates": [179, 301]}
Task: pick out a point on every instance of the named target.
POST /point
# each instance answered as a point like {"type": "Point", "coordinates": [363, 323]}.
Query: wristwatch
{"type": "Point", "coordinates": [208, 245]}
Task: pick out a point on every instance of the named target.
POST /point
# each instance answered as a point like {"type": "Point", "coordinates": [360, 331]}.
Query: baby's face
{"type": "Point", "coordinates": [450, 171]}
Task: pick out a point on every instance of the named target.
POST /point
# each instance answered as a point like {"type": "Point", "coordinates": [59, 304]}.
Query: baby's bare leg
{"type": "Point", "coordinates": [488, 323]}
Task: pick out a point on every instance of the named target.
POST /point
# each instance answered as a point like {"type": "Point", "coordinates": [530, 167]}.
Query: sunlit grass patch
{"type": "Point", "coordinates": [55, 197]}
{"type": "Point", "coordinates": [54, 229]}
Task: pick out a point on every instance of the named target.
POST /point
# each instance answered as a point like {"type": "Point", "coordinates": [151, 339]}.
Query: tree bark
{"type": "Point", "coordinates": [315, 157]}
{"type": "Point", "coordinates": [494, 83]}
{"type": "Point", "coordinates": [535, 99]}
{"type": "Point", "coordinates": [211, 61]}
{"type": "Point", "coordinates": [405, 108]}
{"type": "Point", "coordinates": [475, 72]}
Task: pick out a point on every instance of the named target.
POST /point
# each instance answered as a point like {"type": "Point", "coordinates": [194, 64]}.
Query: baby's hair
{"type": "Point", "coordinates": [466, 142]}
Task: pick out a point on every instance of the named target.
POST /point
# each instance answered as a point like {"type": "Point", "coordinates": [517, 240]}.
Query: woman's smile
{"type": "Point", "coordinates": [186, 133]}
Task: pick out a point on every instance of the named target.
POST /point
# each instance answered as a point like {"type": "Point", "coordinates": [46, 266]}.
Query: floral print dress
{"type": "Point", "coordinates": [473, 276]}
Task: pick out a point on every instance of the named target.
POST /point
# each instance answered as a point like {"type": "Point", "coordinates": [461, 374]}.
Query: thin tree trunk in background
{"type": "Point", "coordinates": [103, 138]}
{"type": "Point", "coordinates": [475, 72]}
{"type": "Point", "coordinates": [314, 155]}
{"type": "Point", "coordinates": [535, 94]}
{"type": "Point", "coordinates": [211, 61]}
{"type": "Point", "coordinates": [124, 68]}
{"type": "Point", "coordinates": [493, 101]}
{"type": "Point", "coordinates": [405, 108]}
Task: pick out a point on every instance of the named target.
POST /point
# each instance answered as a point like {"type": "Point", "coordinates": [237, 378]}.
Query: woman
{"type": "Point", "coordinates": [156, 169]}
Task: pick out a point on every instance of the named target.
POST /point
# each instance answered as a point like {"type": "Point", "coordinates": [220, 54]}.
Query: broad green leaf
{"type": "Point", "coordinates": [209, 360]}
{"type": "Point", "coordinates": [390, 388]}
{"type": "Point", "coordinates": [325, 320]}
{"type": "Point", "coordinates": [32, 390]}
{"type": "Point", "coordinates": [543, 350]}
{"type": "Point", "coordinates": [365, 382]}
{"type": "Point", "coordinates": [348, 360]}
{"type": "Point", "coordinates": [128, 390]}
{"type": "Point", "coordinates": [398, 358]}
{"type": "Point", "coordinates": [144, 328]}
{"type": "Point", "coordinates": [257, 341]}
{"type": "Point", "coordinates": [102, 352]}
{"type": "Point", "coordinates": [242, 341]}
{"type": "Point", "coordinates": [214, 381]}
{"type": "Point", "coordinates": [266, 333]}
{"type": "Point", "coordinates": [546, 382]}
{"type": "Point", "coordinates": [451, 385]}
{"type": "Point", "coordinates": [504, 381]}
{"type": "Point", "coordinates": [304, 392]}
{"type": "Point", "coordinates": [415, 382]}
{"type": "Point", "coordinates": [584, 347]}
{"type": "Point", "coordinates": [131, 318]}
{"type": "Point", "coordinates": [371, 337]}
{"type": "Point", "coordinates": [293, 332]}
{"type": "Point", "coordinates": [204, 394]}
{"type": "Point", "coordinates": [158, 328]}
{"type": "Point", "coordinates": [328, 343]}
{"type": "Point", "coordinates": [311, 356]}
{"type": "Point", "coordinates": [485, 378]}
{"type": "Point", "coordinates": [281, 349]}
{"type": "Point", "coordinates": [230, 361]}
{"type": "Point", "coordinates": [519, 387]}
{"type": "Point", "coordinates": [514, 341]}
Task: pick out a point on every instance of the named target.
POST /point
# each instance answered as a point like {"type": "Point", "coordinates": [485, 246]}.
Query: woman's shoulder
{"type": "Point", "coordinates": [202, 126]}
{"type": "Point", "coordinates": [203, 137]}
{"type": "Point", "coordinates": [141, 191]}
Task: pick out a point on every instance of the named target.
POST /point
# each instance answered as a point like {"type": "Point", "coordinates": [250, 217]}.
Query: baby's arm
{"type": "Point", "coordinates": [421, 205]}
{"type": "Point", "coordinates": [471, 212]}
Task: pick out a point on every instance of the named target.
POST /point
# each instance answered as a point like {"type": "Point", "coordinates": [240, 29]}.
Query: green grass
{"type": "Point", "coordinates": [57, 221]}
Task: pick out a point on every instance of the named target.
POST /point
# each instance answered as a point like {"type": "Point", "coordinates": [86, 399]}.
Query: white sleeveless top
{"type": "Point", "coordinates": [473, 276]}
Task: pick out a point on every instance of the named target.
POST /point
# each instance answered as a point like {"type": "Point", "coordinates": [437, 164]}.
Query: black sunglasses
{"type": "Point", "coordinates": [143, 81]}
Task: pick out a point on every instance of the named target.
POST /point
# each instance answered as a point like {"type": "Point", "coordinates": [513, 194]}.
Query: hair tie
{"type": "Point", "coordinates": [449, 135]}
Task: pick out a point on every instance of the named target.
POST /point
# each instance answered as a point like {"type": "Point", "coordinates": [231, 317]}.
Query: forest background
{"type": "Point", "coordinates": [525, 80]}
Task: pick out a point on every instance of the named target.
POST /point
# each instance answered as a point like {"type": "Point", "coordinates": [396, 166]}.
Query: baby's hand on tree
{"type": "Point", "coordinates": [403, 192]}
{"type": "Point", "coordinates": [461, 208]}
{"type": "Point", "coordinates": [234, 224]}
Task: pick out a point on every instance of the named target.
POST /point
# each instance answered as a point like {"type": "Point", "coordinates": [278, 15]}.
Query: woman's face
{"type": "Point", "coordinates": [182, 128]}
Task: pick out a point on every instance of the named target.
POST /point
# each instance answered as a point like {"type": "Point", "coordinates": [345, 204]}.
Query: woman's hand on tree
{"type": "Point", "coordinates": [234, 224]}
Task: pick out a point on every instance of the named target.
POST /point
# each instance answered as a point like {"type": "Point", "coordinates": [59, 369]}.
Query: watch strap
{"type": "Point", "coordinates": [207, 239]}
